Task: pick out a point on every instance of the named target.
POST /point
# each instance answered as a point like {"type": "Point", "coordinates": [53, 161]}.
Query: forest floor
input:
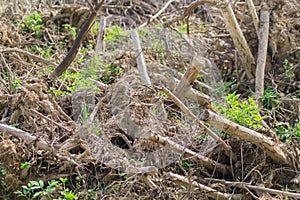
{"type": "Point", "coordinates": [98, 132]}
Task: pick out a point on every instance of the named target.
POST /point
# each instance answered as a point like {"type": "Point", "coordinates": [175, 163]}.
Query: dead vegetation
{"type": "Point", "coordinates": [119, 130]}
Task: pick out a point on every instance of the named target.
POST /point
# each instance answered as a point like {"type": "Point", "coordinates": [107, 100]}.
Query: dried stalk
{"type": "Point", "coordinates": [141, 65]}
{"type": "Point", "coordinates": [30, 55]}
{"type": "Point", "coordinates": [238, 39]}
{"type": "Point", "coordinates": [262, 50]}
{"type": "Point", "coordinates": [100, 45]}
{"type": "Point", "coordinates": [253, 13]}
{"type": "Point", "coordinates": [190, 10]}
{"type": "Point", "coordinates": [49, 120]}
{"type": "Point", "coordinates": [189, 77]}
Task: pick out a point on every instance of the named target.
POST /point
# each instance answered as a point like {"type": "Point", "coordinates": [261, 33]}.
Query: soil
{"type": "Point", "coordinates": [104, 137]}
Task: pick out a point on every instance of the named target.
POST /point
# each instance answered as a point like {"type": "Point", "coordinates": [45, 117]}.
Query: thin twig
{"type": "Point", "coordinates": [258, 188]}
{"type": "Point", "coordinates": [10, 74]}
{"type": "Point", "coordinates": [158, 13]}
{"type": "Point", "coordinates": [50, 120]}
{"type": "Point", "coordinates": [215, 194]}
{"type": "Point", "coordinates": [189, 113]}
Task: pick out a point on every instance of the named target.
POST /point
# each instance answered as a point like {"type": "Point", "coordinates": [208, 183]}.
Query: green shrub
{"type": "Point", "coordinates": [270, 98]}
{"type": "Point", "coordinates": [32, 24]}
{"type": "Point", "coordinates": [245, 113]}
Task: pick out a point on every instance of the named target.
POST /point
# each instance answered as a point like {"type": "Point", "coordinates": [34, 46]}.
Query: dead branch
{"type": "Point", "coordinates": [27, 137]}
{"type": "Point", "coordinates": [189, 113]}
{"type": "Point", "coordinates": [210, 192]}
{"type": "Point", "coordinates": [190, 10]}
{"type": "Point", "coordinates": [274, 150]}
{"type": "Point", "coordinates": [76, 45]}
{"type": "Point", "coordinates": [262, 50]}
{"type": "Point", "coordinates": [253, 13]}
{"type": "Point", "coordinates": [199, 85]}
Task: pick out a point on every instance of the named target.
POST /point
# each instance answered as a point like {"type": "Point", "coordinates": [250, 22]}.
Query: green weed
{"type": "Point", "coordinates": [24, 165]}
{"type": "Point", "coordinates": [286, 131]}
{"type": "Point", "coordinates": [270, 98]}
{"type": "Point", "coordinates": [78, 80]}
{"type": "Point", "coordinates": [289, 69]}
{"type": "Point", "coordinates": [110, 74]}
{"type": "Point", "coordinates": [44, 52]}
{"type": "Point", "coordinates": [32, 24]}
{"type": "Point", "coordinates": [245, 113]}
{"type": "Point", "coordinates": [38, 189]}
{"type": "Point", "coordinates": [3, 173]}
{"type": "Point", "coordinates": [112, 34]}
{"type": "Point", "coordinates": [70, 29]}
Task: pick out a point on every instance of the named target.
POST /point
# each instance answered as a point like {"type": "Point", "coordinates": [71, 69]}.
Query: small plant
{"type": "Point", "coordinates": [112, 34]}
{"type": "Point", "coordinates": [270, 98]}
{"type": "Point", "coordinates": [37, 189]}
{"type": "Point", "coordinates": [15, 82]}
{"type": "Point", "coordinates": [187, 165]}
{"type": "Point", "coordinates": [159, 51]}
{"type": "Point", "coordinates": [297, 130]}
{"type": "Point", "coordinates": [44, 52]}
{"type": "Point", "coordinates": [24, 165]}
{"type": "Point", "coordinates": [32, 24]}
{"type": "Point", "coordinates": [289, 69]}
{"type": "Point", "coordinates": [182, 28]}
{"type": "Point", "coordinates": [284, 131]}
{"type": "Point", "coordinates": [110, 74]}
{"type": "Point", "coordinates": [70, 29]}
{"type": "Point", "coordinates": [3, 173]}
{"type": "Point", "coordinates": [245, 113]}
{"type": "Point", "coordinates": [77, 80]}
{"type": "Point", "coordinates": [33, 190]}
